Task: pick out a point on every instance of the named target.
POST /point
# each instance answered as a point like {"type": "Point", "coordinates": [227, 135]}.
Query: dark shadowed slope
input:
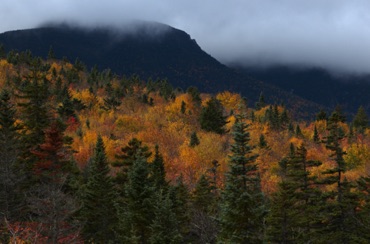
{"type": "Point", "coordinates": [167, 53]}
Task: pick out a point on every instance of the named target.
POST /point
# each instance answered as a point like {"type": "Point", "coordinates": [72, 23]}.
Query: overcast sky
{"type": "Point", "coordinates": [334, 34]}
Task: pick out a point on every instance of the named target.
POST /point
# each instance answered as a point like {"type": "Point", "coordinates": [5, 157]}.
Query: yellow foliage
{"type": "Point", "coordinates": [230, 101]}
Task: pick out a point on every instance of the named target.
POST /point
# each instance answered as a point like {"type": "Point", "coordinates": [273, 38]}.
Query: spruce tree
{"type": "Point", "coordinates": [212, 117]}
{"type": "Point", "coordinates": [164, 227]}
{"type": "Point", "coordinates": [157, 171]}
{"type": "Point", "coordinates": [293, 217]}
{"type": "Point", "coordinates": [204, 211]}
{"type": "Point", "coordinates": [341, 201]}
{"type": "Point", "coordinates": [98, 200]}
{"type": "Point", "coordinates": [261, 102]}
{"type": "Point", "coordinates": [11, 197]}
{"type": "Point", "coordinates": [183, 107]}
{"type": "Point", "coordinates": [127, 157]}
{"type": "Point", "coordinates": [138, 212]}
{"type": "Point", "coordinates": [361, 120]}
{"type": "Point", "coordinates": [316, 137]}
{"type": "Point", "coordinates": [242, 204]}
{"type": "Point", "coordinates": [194, 140]}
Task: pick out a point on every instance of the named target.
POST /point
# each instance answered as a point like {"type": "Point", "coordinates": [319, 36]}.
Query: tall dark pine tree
{"type": "Point", "coordinates": [127, 157]}
{"type": "Point", "coordinates": [137, 214]}
{"type": "Point", "coordinates": [361, 120]}
{"type": "Point", "coordinates": [340, 202]}
{"type": "Point", "coordinates": [157, 171]}
{"type": "Point", "coordinates": [212, 117]}
{"type": "Point", "coordinates": [98, 197]}
{"type": "Point", "coordinates": [10, 195]}
{"type": "Point", "coordinates": [293, 217]}
{"type": "Point", "coordinates": [242, 204]}
{"type": "Point", "coordinates": [35, 110]}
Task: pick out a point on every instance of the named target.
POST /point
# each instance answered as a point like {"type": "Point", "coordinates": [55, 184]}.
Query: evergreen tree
{"type": "Point", "coordinates": [35, 110]}
{"type": "Point", "coordinates": [195, 95]}
{"type": "Point", "coordinates": [98, 200]}
{"type": "Point", "coordinates": [293, 217]}
{"type": "Point", "coordinates": [2, 51]}
{"type": "Point", "coordinates": [298, 132]}
{"type": "Point", "coordinates": [242, 205]}
{"type": "Point", "coordinates": [212, 118]}
{"type": "Point", "coordinates": [51, 54]}
{"type": "Point", "coordinates": [158, 173]}
{"type": "Point", "coordinates": [321, 115]}
{"type": "Point", "coordinates": [361, 120]}
{"type": "Point", "coordinates": [139, 207]}
{"type": "Point", "coordinates": [316, 137]}
{"type": "Point", "coordinates": [179, 195]}
{"type": "Point", "coordinates": [340, 202]}
{"type": "Point", "coordinates": [128, 155]}
{"type": "Point", "coordinates": [204, 211]}
{"type": "Point", "coordinates": [261, 102]}
{"type": "Point", "coordinates": [262, 142]}
{"type": "Point", "coordinates": [164, 228]}
{"type": "Point", "coordinates": [11, 200]}
{"type": "Point", "coordinates": [183, 107]}
{"type": "Point", "coordinates": [194, 140]}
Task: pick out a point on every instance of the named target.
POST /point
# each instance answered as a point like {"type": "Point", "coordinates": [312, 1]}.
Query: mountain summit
{"type": "Point", "coordinates": [149, 50]}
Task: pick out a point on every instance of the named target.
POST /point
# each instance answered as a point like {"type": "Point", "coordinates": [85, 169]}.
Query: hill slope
{"type": "Point", "coordinates": [171, 54]}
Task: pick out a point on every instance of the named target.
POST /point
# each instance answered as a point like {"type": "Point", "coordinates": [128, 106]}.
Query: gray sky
{"type": "Point", "coordinates": [334, 34]}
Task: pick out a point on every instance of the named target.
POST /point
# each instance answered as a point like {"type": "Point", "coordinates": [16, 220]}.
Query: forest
{"type": "Point", "coordinates": [87, 156]}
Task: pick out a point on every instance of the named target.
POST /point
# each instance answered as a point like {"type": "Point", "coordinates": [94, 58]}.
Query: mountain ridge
{"type": "Point", "coordinates": [172, 55]}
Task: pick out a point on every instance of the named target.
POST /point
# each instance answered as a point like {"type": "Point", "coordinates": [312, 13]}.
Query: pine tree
{"type": "Point", "coordinates": [361, 120]}
{"type": "Point", "coordinates": [128, 155]}
{"type": "Point", "coordinates": [212, 118]}
{"type": "Point", "coordinates": [321, 115]}
{"type": "Point", "coordinates": [195, 95]}
{"type": "Point", "coordinates": [165, 227]}
{"type": "Point", "coordinates": [98, 200]}
{"type": "Point", "coordinates": [262, 142]}
{"type": "Point", "coordinates": [261, 102]}
{"type": "Point", "coordinates": [194, 140]}
{"type": "Point", "coordinates": [204, 211]}
{"type": "Point", "coordinates": [158, 173]}
{"type": "Point", "coordinates": [316, 137]}
{"type": "Point", "coordinates": [293, 216]}
{"type": "Point", "coordinates": [183, 107]}
{"type": "Point", "coordinates": [340, 202]}
{"type": "Point", "coordinates": [298, 132]}
{"type": "Point", "coordinates": [11, 200]}
{"type": "Point", "coordinates": [179, 195]}
{"type": "Point", "coordinates": [242, 205]}
{"type": "Point", "coordinates": [138, 212]}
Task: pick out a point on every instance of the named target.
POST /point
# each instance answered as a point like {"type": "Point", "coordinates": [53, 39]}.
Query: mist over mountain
{"type": "Point", "coordinates": [157, 51]}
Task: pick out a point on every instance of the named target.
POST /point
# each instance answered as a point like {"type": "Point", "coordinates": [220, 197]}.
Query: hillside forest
{"type": "Point", "coordinates": [87, 156]}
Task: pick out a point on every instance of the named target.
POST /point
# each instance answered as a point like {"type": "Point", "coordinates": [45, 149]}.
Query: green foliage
{"type": "Point", "coordinates": [98, 200]}
{"type": "Point", "coordinates": [261, 102]}
{"type": "Point", "coordinates": [158, 173]}
{"type": "Point", "coordinates": [139, 207]}
{"type": "Point", "coordinates": [183, 107]}
{"type": "Point", "coordinates": [361, 120]}
{"type": "Point", "coordinates": [165, 227]}
{"type": "Point", "coordinates": [212, 117]}
{"type": "Point", "coordinates": [11, 198]}
{"type": "Point", "coordinates": [242, 204]}
{"type": "Point", "coordinates": [321, 115]}
{"type": "Point", "coordinates": [195, 95]}
{"type": "Point", "coordinates": [194, 140]}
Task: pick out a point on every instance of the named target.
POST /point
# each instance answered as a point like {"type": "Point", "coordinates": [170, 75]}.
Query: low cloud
{"type": "Point", "coordinates": [333, 34]}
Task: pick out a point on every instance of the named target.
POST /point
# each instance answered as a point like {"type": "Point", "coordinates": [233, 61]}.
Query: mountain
{"type": "Point", "coordinates": [318, 85]}
{"type": "Point", "coordinates": [150, 50]}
